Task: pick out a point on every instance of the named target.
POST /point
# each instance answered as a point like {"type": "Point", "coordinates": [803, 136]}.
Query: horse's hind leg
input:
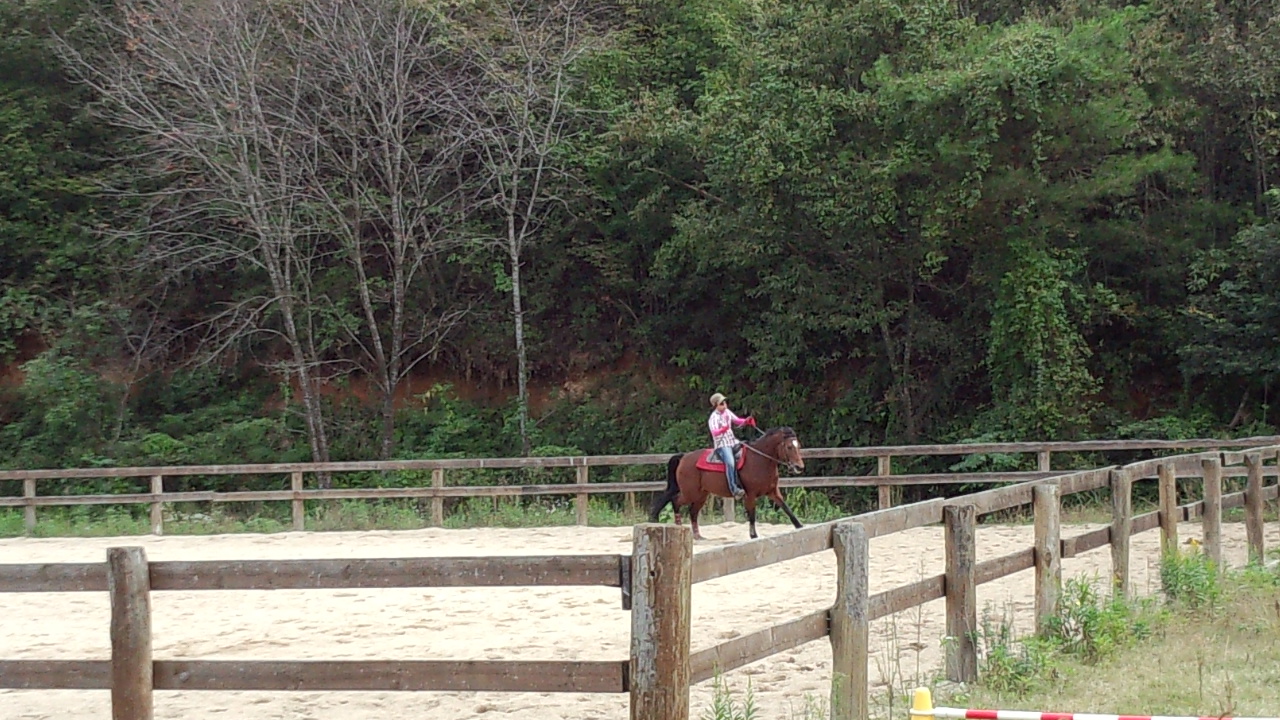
{"type": "Point", "coordinates": [776, 497]}
{"type": "Point", "coordinates": [750, 505]}
{"type": "Point", "coordinates": [694, 509]}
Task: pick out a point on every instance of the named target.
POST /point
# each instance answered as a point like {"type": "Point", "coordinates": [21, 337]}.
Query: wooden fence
{"type": "Point", "coordinates": [299, 474]}
{"type": "Point", "coordinates": [662, 664]}
{"type": "Point", "coordinates": [846, 623]}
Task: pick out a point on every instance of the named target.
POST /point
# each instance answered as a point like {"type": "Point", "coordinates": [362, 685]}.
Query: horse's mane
{"type": "Point", "coordinates": [786, 432]}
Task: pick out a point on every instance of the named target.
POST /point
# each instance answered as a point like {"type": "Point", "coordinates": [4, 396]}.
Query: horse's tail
{"type": "Point", "coordinates": [668, 495]}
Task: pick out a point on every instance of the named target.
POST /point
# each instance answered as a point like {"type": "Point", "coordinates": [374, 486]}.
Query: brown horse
{"type": "Point", "coordinates": [687, 484]}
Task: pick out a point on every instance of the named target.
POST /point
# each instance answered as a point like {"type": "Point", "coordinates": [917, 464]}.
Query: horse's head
{"type": "Point", "coordinates": [787, 449]}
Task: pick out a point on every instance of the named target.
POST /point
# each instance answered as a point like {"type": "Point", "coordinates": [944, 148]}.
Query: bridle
{"type": "Point", "coordinates": [790, 465]}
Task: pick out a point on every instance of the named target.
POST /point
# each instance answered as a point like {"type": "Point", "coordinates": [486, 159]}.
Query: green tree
{"type": "Point", "coordinates": [49, 265]}
{"type": "Point", "coordinates": [1233, 316]}
{"type": "Point", "coordinates": [1038, 357]}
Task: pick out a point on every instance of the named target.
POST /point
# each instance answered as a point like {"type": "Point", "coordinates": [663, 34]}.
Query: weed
{"type": "Point", "coordinates": [725, 707]}
{"type": "Point", "coordinates": [1190, 579]}
{"type": "Point", "coordinates": [1092, 626]}
{"type": "Point", "coordinates": [1009, 664]}
{"type": "Point", "coordinates": [900, 680]}
{"type": "Point", "coordinates": [811, 708]}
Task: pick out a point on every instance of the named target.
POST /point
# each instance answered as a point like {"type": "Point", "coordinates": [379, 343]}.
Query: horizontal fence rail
{"type": "Point", "coordinates": [596, 676]}
{"type": "Point", "coordinates": [437, 492]}
{"type": "Point", "coordinates": [589, 570]}
{"type": "Point", "coordinates": [640, 459]}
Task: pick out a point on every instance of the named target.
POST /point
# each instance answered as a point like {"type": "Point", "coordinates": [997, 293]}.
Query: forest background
{"type": "Point", "coordinates": [287, 230]}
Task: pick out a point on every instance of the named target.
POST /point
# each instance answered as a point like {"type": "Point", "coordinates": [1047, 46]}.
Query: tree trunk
{"type": "Point", "coordinates": [522, 366]}
{"type": "Point", "coordinates": [311, 404]}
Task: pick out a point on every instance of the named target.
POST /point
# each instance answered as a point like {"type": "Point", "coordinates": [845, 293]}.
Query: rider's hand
{"type": "Point", "coordinates": [751, 421]}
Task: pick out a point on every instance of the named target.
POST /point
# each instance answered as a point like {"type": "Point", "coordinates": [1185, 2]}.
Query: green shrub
{"type": "Point", "coordinates": [1092, 626]}
{"type": "Point", "coordinates": [811, 506]}
{"type": "Point", "coordinates": [1190, 579]}
{"type": "Point", "coordinates": [1007, 663]}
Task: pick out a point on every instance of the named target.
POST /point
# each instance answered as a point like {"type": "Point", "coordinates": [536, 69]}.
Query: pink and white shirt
{"type": "Point", "coordinates": [721, 423]}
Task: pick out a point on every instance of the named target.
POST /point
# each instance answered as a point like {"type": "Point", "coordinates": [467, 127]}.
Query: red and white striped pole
{"type": "Point", "coordinates": [922, 709]}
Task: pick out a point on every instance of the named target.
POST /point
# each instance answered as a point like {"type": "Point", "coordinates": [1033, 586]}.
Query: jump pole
{"type": "Point", "coordinates": [922, 709]}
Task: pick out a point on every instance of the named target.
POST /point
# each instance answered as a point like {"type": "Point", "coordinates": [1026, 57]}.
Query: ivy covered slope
{"type": "Point", "coordinates": [371, 229]}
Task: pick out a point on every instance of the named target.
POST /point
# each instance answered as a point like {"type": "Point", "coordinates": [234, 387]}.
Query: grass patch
{"type": "Point", "coordinates": [521, 512]}
{"type": "Point", "coordinates": [84, 521]}
{"type": "Point", "coordinates": [365, 515]}
{"type": "Point", "coordinates": [1205, 648]}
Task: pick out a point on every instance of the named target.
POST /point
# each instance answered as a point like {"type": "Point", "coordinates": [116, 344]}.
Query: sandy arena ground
{"type": "Point", "coordinates": [497, 623]}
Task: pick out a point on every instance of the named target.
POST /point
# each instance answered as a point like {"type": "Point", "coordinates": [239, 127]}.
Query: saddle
{"type": "Point", "coordinates": [711, 461]}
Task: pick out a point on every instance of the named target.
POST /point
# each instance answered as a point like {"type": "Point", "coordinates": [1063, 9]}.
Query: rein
{"type": "Point", "coordinates": [763, 454]}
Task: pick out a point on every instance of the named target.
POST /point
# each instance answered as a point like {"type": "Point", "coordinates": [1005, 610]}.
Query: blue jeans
{"type": "Point", "coordinates": [730, 472]}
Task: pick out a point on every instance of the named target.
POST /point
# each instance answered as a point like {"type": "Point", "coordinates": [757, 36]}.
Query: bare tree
{"type": "Point", "coordinates": [282, 143]}
{"type": "Point", "coordinates": [392, 158]}
{"type": "Point", "coordinates": [222, 184]}
{"type": "Point", "coordinates": [524, 54]}
{"type": "Point", "coordinates": [147, 339]}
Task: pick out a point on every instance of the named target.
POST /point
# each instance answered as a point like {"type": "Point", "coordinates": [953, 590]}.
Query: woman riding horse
{"type": "Point", "coordinates": [689, 484]}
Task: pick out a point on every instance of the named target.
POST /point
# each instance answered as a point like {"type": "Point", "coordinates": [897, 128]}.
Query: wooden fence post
{"type": "Point", "coordinates": [884, 468]}
{"type": "Point", "coordinates": [1121, 529]}
{"type": "Point", "coordinates": [1212, 520]}
{"type": "Point", "coordinates": [728, 509]}
{"type": "Point", "coordinates": [437, 502]}
{"type": "Point", "coordinates": [661, 586]}
{"type": "Point", "coordinates": [129, 585]}
{"type": "Point", "coordinates": [850, 627]}
{"type": "Point", "coordinates": [1168, 508]}
{"type": "Point", "coordinates": [157, 505]}
{"type": "Point", "coordinates": [1044, 460]}
{"type": "Point", "coordinates": [298, 506]}
{"type": "Point", "coordinates": [29, 512]}
{"type": "Point", "coordinates": [962, 596]}
{"type": "Point", "coordinates": [1253, 507]}
{"type": "Point", "coordinates": [580, 499]}
{"type": "Point", "coordinates": [1048, 547]}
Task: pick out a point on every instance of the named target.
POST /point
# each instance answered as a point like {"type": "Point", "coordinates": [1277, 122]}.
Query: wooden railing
{"type": "Point", "coordinates": [662, 664]}
{"type": "Point", "coordinates": [132, 673]}
{"type": "Point", "coordinates": [298, 494]}
{"type": "Point", "coordinates": [847, 621]}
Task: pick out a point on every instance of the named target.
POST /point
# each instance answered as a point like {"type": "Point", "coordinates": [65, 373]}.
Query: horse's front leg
{"type": "Point", "coordinates": [750, 505]}
{"type": "Point", "coordinates": [776, 497]}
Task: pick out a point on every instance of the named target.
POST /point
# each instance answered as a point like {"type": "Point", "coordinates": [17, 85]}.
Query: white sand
{"type": "Point", "coordinates": [540, 623]}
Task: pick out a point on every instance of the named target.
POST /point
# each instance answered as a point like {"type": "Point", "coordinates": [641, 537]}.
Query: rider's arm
{"type": "Point", "coordinates": [717, 426]}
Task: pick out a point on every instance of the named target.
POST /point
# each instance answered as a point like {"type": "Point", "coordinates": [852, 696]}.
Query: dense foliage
{"type": "Point", "coordinates": [878, 221]}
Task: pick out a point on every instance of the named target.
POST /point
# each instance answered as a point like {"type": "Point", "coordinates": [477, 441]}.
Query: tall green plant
{"type": "Point", "coordinates": [1037, 353]}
